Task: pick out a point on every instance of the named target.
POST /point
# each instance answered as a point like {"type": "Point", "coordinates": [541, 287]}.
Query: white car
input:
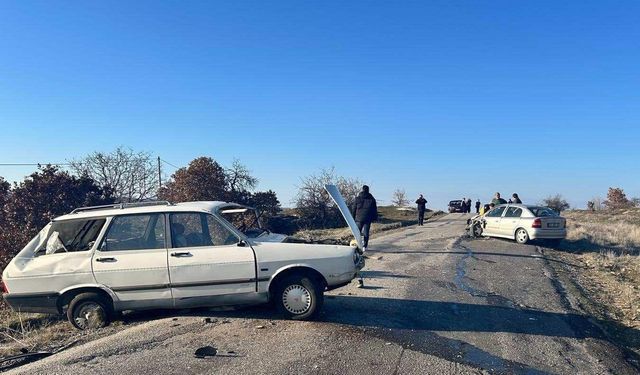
{"type": "Point", "coordinates": [96, 261]}
{"type": "Point", "coordinates": [522, 223]}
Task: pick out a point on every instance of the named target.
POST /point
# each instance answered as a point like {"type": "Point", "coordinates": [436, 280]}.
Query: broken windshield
{"type": "Point", "coordinates": [245, 219]}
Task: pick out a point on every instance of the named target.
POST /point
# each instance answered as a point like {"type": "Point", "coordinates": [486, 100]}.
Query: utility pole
{"type": "Point", "coordinates": [159, 175]}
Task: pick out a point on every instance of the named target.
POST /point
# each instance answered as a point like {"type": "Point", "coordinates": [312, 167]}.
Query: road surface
{"type": "Point", "coordinates": [433, 303]}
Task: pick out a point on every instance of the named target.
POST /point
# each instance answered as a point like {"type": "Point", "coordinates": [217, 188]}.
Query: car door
{"type": "Point", "coordinates": [492, 219]}
{"type": "Point", "coordinates": [510, 221]}
{"type": "Point", "coordinates": [132, 261]}
{"type": "Point", "coordinates": [208, 262]}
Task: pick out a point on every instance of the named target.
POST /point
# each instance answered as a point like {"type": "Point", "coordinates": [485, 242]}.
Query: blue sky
{"type": "Point", "coordinates": [447, 98]}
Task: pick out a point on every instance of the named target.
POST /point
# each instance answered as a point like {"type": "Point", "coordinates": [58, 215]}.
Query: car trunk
{"type": "Point", "coordinates": [552, 223]}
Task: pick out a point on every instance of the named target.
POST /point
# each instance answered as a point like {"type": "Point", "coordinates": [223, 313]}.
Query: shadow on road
{"type": "Point", "coordinates": [422, 325]}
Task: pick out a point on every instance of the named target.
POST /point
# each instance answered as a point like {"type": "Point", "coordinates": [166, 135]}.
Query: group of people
{"type": "Point", "coordinates": [365, 209]}
{"type": "Point", "coordinates": [497, 200]}
{"type": "Point", "coordinates": [466, 205]}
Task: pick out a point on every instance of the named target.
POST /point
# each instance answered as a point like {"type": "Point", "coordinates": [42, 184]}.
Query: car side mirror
{"type": "Point", "coordinates": [241, 243]}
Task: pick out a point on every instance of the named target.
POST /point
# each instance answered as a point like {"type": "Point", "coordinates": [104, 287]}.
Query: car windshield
{"type": "Point", "coordinates": [71, 235]}
{"type": "Point", "coordinates": [245, 219]}
{"type": "Point", "coordinates": [542, 211]}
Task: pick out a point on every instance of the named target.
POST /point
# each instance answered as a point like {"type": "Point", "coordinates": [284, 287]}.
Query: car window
{"type": "Point", "coordinates": [220, 235]}
{"type": "Point", "coordinates": [71, 235]}
{"type": "Point", "coordinates": [513, 212]}
{"type": "Point", "coordinates": [496, 212]}
{"type": "Point", "coordinates": [542, 211]}
{"type": "Point", "coordinates": [187, 230]}
{"type": "Point", "coordinates": [135, 232]}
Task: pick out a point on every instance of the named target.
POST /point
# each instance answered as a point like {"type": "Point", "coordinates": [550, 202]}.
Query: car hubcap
{"type": "Point", "coordinates": [522, 236]}
{"type": "Point", "coordinates": [296, 299]}
{"type": "Point", "coordinates": [91, 315]}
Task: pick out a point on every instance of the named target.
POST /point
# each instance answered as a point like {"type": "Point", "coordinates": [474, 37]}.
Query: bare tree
{"type": "Point", "coordinates": [132, 176]}
{"type": "Point", "coordinates": [314, 205]}
{"type": "Point", "coordinates": [239, 182]}
{"type": "Point", "coordinates": [399, 198]}
{"type": "Point", "coordinates": [557, 203]}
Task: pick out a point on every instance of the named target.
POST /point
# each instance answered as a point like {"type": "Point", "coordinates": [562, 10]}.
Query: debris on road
{"type": "Point", "coordinates": [209, 320]}
{"type": "Point", "coordinates": [210, 351]}
{"type": "Point", "coordinates": [206, 351]}
{"type": "Point", "coordinates": [259, 327]}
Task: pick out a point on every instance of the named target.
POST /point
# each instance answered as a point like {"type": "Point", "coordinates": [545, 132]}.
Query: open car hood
{"type": "Point", "coordinates": [342, 206]}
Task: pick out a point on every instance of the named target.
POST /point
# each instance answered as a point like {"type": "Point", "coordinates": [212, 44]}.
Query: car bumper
{"type": "Point", "coordinates": [46, 303]}
{"type": "Point", "coordinates": [550, 234]}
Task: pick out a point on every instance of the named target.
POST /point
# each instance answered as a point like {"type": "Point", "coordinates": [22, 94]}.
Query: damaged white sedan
{"type": "Point", "coordinates": [95, 261]}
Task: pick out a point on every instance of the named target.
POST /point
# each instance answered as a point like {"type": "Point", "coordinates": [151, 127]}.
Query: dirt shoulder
{"type": "Point", "coordinates": [600, 265]}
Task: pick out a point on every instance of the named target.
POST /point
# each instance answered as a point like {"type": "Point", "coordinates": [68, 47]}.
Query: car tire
{"type": "Point", "coordinates": [476, 230]}
{"type": "Point", "coordinates": [522, 237]}
{"type": "Point", "coordinates": [89, 311]}
{"type": "Point", "coordinates": [299, 297]}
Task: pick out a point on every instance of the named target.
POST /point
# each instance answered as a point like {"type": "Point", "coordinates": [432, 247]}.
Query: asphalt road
{"type": "Point", "coordinates": [433, 303]}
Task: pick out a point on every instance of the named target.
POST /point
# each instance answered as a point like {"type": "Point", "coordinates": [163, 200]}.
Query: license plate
{"type": "Point", "coordinates": [553, 225]}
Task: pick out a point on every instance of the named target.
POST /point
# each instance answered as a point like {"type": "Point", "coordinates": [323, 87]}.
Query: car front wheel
{"type": "Point", "coordinates": [299, 297]}
{"type": "Point", "coordinates": [88, 311]}
{"type": "Point", "coordinates": [477, 229]}
{"type": "Point", "coordinates": [522, 236]}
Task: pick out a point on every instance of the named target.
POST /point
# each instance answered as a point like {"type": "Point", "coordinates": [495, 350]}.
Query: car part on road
{"type": "Point", "coordinates": [205, 351]}
{"type": "Point", "coordinates": [299, 297]}
{"type": "Point", "coordinates": [88, 311]}
{"type": "Point", "coordinates": [522, 237]}
{"type": "Point", "coordinates": [26, 357]}
{"type": "Point", "coordinates": [210, 351]}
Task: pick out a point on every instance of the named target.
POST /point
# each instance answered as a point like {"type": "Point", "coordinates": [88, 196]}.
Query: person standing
{"type": "Point", "coordinates": [478, 207]}
{"type": "Point", "coordinates": [463, 206]}
{"type": "Point", "coordinates": [365, 211]}
{"type": "Point", "coordinates": [516, 198]}
{"type": "Point", "coordinates": [468, 205]}
{"type": "Point", "coordinates": [497, 200]}
{"type": "Point", "coordinates": [422, 207]}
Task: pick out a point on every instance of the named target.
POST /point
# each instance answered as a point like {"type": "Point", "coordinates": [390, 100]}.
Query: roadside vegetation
{"type": "Point", "coordinates": [603, 247]}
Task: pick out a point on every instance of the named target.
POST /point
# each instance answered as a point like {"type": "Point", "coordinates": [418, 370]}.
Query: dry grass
{"type": "Point", "coordinates": [31, 332]}
{"type": "Point", "coordinates": [607, 243]}
{"type": "Point", "coordinates": [605, 230]}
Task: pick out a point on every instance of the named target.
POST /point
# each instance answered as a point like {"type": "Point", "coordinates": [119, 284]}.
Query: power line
{"type": "Point", "coordinates": [29, 164]}
{"type": "Point", "coordinates": [166, 162]}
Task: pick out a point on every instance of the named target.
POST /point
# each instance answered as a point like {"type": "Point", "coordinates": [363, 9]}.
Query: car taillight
{"type": "Point", "coordinates": [3, 288]}
{"type": "Point", "coordinates": [537, 223]}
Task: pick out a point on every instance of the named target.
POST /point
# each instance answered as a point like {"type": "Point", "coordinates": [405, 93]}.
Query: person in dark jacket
{"type": "Point", "coordinates": [498, 200]}
{"type": "Point", "coordinates": [478, 206]}
{"type": "Point", "coordinates": [516, 198]}
{"type": "Point", "coordinates": [468, 205]}
{"type": "Point", "coordinates": [422, 206]}
{"type": "Point", "coordinates": [365, 211]}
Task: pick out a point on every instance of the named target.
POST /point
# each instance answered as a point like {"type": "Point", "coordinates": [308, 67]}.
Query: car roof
{"type": "Point", "coordinates": [521, 205]}
{"type": "Point", "coordinates": [114, 210]}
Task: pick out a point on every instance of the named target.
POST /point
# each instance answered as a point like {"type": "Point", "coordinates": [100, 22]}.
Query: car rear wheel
{"type": "Point", "coordinates": [522, 236]}
{"type": "Point", "coordinates": [88, 311]}
{"type": "Point", "coordinates": [299, 297]}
